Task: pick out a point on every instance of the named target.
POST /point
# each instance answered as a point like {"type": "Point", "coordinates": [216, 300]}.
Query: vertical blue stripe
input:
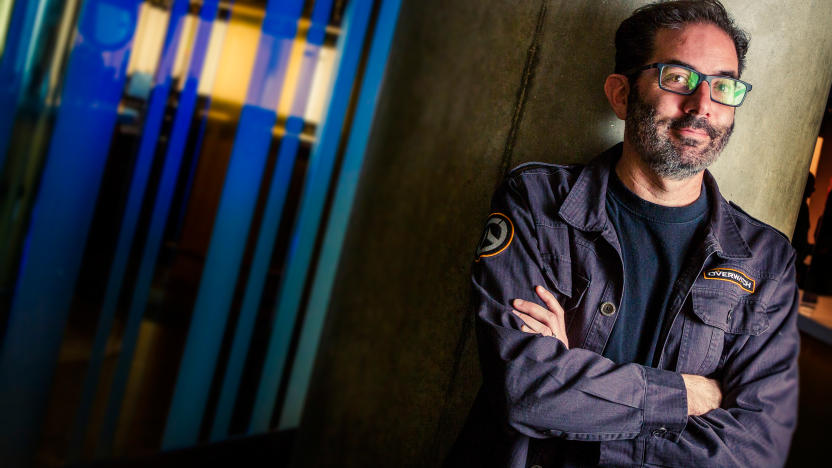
{"type": "Point", "coordinates": [197, 150]}
{"type": "Point", "coordinates": [268, 227]}
{"type": "Point", "coordinates": [60, 221]}
{"type": "Point", "coordinates": [138, 185]}
{"type": "Point", "coordinates": [231, 226]}
{"type": "Point", "coordinates": [339, 217]}
{"type": "Point", "coordinates": [316, 185]}
{"type": "Point", "coordinates": [16, 66]}
{"type": "Point", "coordinates": [161, 209]}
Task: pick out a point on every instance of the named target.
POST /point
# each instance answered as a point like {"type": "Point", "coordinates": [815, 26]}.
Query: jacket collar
{"type": "Point", "coordinates": [722, 235]}
{"type": "Point", "coordinates": [584, 208]}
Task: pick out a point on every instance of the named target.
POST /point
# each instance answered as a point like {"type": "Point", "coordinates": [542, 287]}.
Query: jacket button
{"type": "Point", "coordinates": [607, 308]}
{"type": "Point", "coordinates": [659, 432]}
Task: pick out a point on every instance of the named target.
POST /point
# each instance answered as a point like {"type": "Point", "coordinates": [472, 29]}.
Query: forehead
{"type": "Point", "coordinates": [706, 47]}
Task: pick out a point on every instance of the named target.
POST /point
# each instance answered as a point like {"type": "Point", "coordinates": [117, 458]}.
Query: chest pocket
{"type": "Point", "coordinates": [714, 323]}
{"type": "Point", "coordinates": [568, 286]}
{"type": "Point", "coordinates": [570, 289]}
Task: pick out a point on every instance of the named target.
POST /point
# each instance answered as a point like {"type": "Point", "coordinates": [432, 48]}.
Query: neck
{"type": "Point", "coordinates": [649, 186]}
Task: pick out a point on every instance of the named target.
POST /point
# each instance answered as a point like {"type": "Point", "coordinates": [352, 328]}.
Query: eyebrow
{"type": "Point", "coordinates": [730, 73]}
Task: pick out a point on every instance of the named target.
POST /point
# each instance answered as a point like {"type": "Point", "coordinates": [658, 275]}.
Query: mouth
{"type": "Point", "coordinates": [688, 132]}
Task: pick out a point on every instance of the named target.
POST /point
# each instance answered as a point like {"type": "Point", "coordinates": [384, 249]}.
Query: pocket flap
{"type": "Point", "coordinates": [731, 314]}
{"type": "Point", "coordinates": [560, 273]}
{"type": "Point", "coordinates": [565, 282]}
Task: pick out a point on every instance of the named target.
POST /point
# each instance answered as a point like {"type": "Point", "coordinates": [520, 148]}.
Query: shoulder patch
{"type": "Point", "coordinates": [744, 281]}
{"type": "Point", "coordinates": [496, 237]}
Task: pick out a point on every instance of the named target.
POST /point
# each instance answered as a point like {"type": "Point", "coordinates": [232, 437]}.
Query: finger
{"type": "Point", "coordinates": [549, 299]}
{"type": "Point", "coordinates": [533, 324]}
{"type": "Point", "coordinates": [536, 311]}
{"type": "Point", "coordinates": [555, 307]}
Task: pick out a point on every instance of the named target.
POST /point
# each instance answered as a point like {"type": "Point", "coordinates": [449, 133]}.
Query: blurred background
{"type": "Point", "coordinates": [169, 173]}
{"type": "Point", "coordinates": [239, 232]}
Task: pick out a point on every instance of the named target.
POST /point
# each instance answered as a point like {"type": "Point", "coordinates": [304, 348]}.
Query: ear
{"type": "Point", "coordinates": [617, 89]}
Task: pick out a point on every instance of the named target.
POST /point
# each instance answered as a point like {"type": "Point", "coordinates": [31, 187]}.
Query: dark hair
{"type": "Point", "coordinates": [635, 38]}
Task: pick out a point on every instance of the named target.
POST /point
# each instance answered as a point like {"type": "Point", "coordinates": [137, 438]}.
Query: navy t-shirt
{"type": "Point", "coordinates": [654, 240]}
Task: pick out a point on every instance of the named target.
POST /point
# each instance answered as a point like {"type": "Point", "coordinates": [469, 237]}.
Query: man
{"type": "Point", "coordinates": [627, 314]}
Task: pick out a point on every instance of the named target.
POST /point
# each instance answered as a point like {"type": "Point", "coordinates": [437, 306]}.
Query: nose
{"type": "Point", "coordinates": [699, 103]}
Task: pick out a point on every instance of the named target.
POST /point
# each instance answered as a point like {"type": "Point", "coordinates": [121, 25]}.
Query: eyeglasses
{"type": "Point", "coordinates": [684, 80]}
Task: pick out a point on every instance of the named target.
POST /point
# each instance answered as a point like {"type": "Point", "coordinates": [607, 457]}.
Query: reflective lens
{"type": "Point", "coordinates": [727, 91]}
{"type": "Point", "coordinates": [679, 79]}
{"type": "Point", "coordinates": [684, 80]}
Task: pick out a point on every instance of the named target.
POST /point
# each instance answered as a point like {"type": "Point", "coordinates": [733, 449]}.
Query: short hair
{"type": "Point", "coordinates": [636, 36]}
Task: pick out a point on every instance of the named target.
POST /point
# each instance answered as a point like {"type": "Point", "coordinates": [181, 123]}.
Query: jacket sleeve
{"type": "Point", "coordinates": [754, 426]}
{"type": "Point", "coordinates": [540, 388]}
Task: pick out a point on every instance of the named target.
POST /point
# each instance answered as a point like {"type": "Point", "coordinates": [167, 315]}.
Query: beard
{"type": "Point", "coordinates": [670, 159]}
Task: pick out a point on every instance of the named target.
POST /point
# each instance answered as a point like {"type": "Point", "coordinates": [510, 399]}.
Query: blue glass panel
{"type": "Point", "coordinates": [269, 225]}
{"type": "Point", "coordinates": [65, 203]}
{"type": "Point", "coordinates": [231, 226]}
{"type": "Point", "coordinates": [316, 186]}
{"type": "Point", "coordinates": [203, 125]}
{"type": "Point", "coordinates": [159, 218]}
{"type": "Point", "coordinates": [339, 216]}
{"type": "Point", "coordinates": [219, 277]}
{"type": "Point", "coordinates": [138, 185]}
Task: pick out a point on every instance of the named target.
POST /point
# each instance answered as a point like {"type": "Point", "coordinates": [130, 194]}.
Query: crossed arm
{"type": "Point", "coordinates": [703, 394]}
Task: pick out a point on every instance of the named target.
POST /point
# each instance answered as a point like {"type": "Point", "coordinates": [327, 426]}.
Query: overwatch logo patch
{"type": "Point", "coordinates": [498, 233]}
{"type": "Point", "coordinates": [732, 276]}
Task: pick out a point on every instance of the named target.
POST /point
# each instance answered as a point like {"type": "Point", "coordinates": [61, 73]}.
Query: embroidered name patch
{"type": "Point", "coordinates": [496, 237]}
{"type": "Point", "coordinates": [732, 276]}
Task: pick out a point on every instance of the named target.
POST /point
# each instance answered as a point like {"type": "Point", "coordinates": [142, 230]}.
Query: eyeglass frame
{"type": "Point", "coordinates": [702, 78]}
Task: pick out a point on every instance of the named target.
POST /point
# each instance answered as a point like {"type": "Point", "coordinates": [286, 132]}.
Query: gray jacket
{"type": "Point", "coordinates": [732, 317]}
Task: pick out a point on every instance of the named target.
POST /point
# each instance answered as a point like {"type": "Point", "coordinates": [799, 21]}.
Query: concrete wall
{"type": "Point", "coordinates": [473, 88]}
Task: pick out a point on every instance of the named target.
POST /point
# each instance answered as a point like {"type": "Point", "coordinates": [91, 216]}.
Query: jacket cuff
{"type": "Point", "coordinates": [665, 405]}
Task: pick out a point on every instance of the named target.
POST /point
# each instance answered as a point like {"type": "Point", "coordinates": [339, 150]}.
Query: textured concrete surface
{"type": "Point", "coordinates": [473, 88]}
{"type": "Point", "coordinates": [435, 156]}
{"type": "Point", "coordinates": [764, 166]}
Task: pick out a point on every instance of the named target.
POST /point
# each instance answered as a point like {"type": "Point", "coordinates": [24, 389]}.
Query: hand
{"type": "Point", "coordinates": [537, 319]}
{"type": "Point", "coordinates": [703, 394]}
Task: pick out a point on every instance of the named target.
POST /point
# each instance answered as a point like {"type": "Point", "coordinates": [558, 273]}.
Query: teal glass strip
{"type": "Point", "coordinates": [158, 222]}
{"type": "Point", "coordinates": [132, 209]}
{"type": "Point", "coordinates": [232, 223]}
{"type": "Point", "coordinates": [16, 64]}
{"type": "Point", "coordinates": [269, 225]}
{"type": "Point", "coordinates": [316, 186]}
{"type": "Point", "coordinates": [339, 217]}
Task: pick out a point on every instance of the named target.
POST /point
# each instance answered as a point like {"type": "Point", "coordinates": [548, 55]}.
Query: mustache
{"type": "Point", "coordinates": [691, 121]}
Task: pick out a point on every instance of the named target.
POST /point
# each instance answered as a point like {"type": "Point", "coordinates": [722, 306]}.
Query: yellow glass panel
{"type": "Point", "coordinates": [284, 108]}
{"type": "Point", "coordinates": [233, 71]}
{"type": "Point", "coordinates": [5, 17]}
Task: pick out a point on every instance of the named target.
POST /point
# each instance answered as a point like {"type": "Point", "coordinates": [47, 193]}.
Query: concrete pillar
{"type": "Point", "coordinates": [473, 88]}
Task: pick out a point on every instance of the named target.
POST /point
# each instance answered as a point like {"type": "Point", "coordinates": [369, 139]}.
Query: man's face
{"type": "Point", "coordinates": [679, 136]}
